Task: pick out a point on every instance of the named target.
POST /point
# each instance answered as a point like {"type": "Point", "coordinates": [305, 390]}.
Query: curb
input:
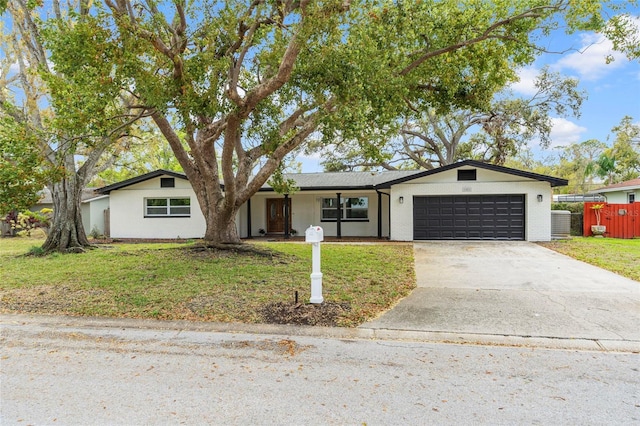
{"type": "Point", "coordinates": [360, 333]}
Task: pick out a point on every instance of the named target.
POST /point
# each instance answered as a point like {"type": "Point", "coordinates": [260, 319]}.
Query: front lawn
{"type": "Point", "coordinates": [616, 255]}
{"type": "Point", "coordinates": [174, 281]}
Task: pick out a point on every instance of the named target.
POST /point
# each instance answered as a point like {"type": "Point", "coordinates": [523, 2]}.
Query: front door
{"type": "Point", "coordinates": [275, 215]}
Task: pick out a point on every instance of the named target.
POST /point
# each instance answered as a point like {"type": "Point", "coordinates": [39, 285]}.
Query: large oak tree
{"type": "Point", "coordinates": [235, 86]}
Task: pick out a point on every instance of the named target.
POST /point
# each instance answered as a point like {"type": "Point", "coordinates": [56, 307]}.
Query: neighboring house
{"type": "Point", "coordinates": [466, 200]}
{"type": "Point", "coordinates": [621, 193]}
{"type": "Point", "coordinates": [93, 207]}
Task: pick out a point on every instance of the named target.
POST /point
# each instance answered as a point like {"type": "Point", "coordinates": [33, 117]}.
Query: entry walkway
{"type": "Point", "coordinates": [515, 289]}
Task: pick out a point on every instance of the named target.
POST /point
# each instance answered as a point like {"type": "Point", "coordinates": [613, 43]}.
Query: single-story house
{"type": "Point", "coordinates": [621, 193]}
{"type": "Point", "coordinates": [466, 200]}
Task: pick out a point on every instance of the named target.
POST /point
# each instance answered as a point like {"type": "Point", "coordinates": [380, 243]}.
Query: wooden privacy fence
{"type": "Point", "coordinates": [621, 220]}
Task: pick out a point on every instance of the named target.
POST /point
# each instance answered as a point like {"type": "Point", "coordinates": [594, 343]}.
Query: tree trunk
{"type": "Point", "coordinates": [66, 233]}
{"type": "Point", "coordinates": [221, 227]}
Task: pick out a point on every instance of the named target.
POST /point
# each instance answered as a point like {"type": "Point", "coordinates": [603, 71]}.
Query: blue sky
{"type": "Point", "coordinates": [613, 90]}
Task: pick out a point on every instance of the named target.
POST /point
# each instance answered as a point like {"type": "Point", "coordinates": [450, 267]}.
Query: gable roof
{"type": "Point", "coordinates": [304, 181]}
{"type": "Point", "coordinates": [160, 172]}
{"type": "Point", "coordinates": [622, 186]}
{"type": "Point", "coordinates": [554, 181]}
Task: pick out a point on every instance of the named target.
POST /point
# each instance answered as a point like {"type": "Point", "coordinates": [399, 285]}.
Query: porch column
{"type": "Point", "coordinates": [389, 214]}
{"type": "Point", "coordinates": [339, 218]}
{"type": "Point", "coordinates": [249, 218]}
{"type": "Point", "coordinates": [286, 216]}
{"type": "Point", "coordinates": [379, 214]}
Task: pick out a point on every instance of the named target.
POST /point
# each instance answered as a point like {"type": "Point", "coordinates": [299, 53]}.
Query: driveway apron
{"type": "Point", "coordinates": [514, 289]}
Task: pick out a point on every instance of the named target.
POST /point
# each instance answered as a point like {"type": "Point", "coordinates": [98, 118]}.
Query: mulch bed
{"type": "Point", "coordinates": [324, 314]}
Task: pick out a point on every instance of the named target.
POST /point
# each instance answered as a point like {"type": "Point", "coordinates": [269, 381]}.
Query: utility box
{"type": "Point", "coordinates": [560, 223]}
{"type": "Point", "coordinates": [314, 234]}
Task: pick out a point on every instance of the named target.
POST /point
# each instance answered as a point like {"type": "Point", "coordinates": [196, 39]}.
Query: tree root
{"type": "Point", "coordinates": [236, 248]}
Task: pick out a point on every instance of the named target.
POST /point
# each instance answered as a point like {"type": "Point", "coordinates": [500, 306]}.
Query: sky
{"type": "Point", "coordinates": [613, 90]}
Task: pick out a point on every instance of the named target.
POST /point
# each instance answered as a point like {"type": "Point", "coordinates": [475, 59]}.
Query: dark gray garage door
{"type": "Point", "coordinates": [469, 217]}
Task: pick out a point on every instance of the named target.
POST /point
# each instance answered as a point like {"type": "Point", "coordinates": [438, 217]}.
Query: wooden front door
{"type": "Point", "coordinates": [275, 215]}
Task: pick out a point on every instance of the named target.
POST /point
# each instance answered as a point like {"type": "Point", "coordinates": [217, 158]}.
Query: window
{"type": "Point", "coordinates": [167, 183]}
{"type": "Point", "coordinates": [352, 208]}
{"type": "Point", "coordinates": [163, 207]}
{"type": "Point", "coordinates": [631, 197]}
{"type": "Point", "coordinates": [467, 174]}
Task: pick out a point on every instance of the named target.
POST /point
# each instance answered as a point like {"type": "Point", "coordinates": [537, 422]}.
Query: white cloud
{"type": "Point", "coordinates": [565, 132]}
{"type": "Point", "coordinates": [526, 83]}
{"type": "Point", "coordinates": [590, 61]}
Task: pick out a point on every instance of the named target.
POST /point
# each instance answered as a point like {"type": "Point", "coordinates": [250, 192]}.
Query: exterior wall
{"type": "Point", "coordinates": [93, 214]}
{"type": "Point", "coordinates": [128, 221]}
{"type": "Point", "coordinates": [537, 215]}
{"type": "Point", "coordinates": [306, 211]}
{"type": "Point", "coordinates": [621, 197]}
{"type": "Point", "coordinates": [127, 212]}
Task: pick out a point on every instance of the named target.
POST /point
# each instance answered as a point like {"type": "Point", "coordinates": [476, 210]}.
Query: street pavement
{"type": "Point", "coordinates": [504, 292]}
{"type": "Point", "coordinates": [75, 371]}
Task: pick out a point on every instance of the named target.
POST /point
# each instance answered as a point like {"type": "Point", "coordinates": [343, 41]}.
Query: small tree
{"type": "Point", "coordinates": [597, 209]}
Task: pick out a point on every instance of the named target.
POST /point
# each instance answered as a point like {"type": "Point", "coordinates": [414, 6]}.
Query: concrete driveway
{"type": "Point", "coordinates": [515, 289]}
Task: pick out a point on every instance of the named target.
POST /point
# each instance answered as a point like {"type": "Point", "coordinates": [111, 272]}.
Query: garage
{"type": "Point", "coordinates": [471, 200]}
{"type": "Point", "coordinates": [469, 217]}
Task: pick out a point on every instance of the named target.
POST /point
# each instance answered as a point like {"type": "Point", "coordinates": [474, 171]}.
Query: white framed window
{"type": "Point", "coordinates": [631, 197]}
{"type": "Point", "coordinates": [167, 207]}
{"type": "Point", "coordinates": [352, 209]}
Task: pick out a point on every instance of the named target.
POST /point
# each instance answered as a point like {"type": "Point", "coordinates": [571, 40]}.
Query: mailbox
{"type": "Point", "coordinates": [314, 234]}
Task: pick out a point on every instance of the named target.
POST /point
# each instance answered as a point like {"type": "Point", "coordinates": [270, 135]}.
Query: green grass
{"type": "Point", "coordinates": [616, 255]}
{"type": "Point", "coordinates": [172, 281]}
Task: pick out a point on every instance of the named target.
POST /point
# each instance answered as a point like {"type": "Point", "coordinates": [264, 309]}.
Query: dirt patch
{"type": "Point", "coordinates": [324, 314]}
{"type": "Point", "coordinates": [45, 299]}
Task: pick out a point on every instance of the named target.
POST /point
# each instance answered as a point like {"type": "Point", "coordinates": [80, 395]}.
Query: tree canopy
{"type": "Point", "coordinates": [22, 170]}
{"type": "Point", "coordinates": [592, 163]}
{"type": "Point", "coordinates": [235, 86]}
{"type": "Point", "coordinates": [427, 139]}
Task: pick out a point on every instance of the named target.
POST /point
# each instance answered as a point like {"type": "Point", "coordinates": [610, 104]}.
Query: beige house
{"type": "Point", "coordinates": [621, 193]}
{"type": "Point", "coordinates": [466, 200]}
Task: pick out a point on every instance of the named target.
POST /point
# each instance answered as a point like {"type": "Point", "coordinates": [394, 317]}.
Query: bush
{"type": "Point", "coordinates": [572, 207]}
{"type": "Point", "coordinates": [25, 222]}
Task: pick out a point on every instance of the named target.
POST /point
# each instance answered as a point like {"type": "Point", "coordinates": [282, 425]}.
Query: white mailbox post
{"type": "Point", "coordinates": [314, 235]}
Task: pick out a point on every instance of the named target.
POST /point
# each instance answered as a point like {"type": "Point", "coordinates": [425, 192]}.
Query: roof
{"type": "Point", "coordinates": [343, 180]}
{"type": "Point", "coordinates": [46, 198]}
{"type": "Point", "coordinates": [160, 172]}
{"type": "Point", "coordinates": [304, 181]}
{"type": "Point", "coordinates": [622, 186]}
{"type": "Point", "coordinates": [554, 181]}
{"type": "Point", "coordinates": [352, 180]}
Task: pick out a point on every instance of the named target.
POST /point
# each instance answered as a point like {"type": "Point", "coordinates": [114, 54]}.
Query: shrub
{"type": "Point", "coordinates": [24, 222]}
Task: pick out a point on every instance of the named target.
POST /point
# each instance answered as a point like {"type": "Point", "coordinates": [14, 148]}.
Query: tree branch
{"type": "Point", "coordinates": [536, 12]}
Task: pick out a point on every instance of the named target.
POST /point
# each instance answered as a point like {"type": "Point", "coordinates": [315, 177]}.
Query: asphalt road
{"type": "Point", "coordinates": [93, 374]}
